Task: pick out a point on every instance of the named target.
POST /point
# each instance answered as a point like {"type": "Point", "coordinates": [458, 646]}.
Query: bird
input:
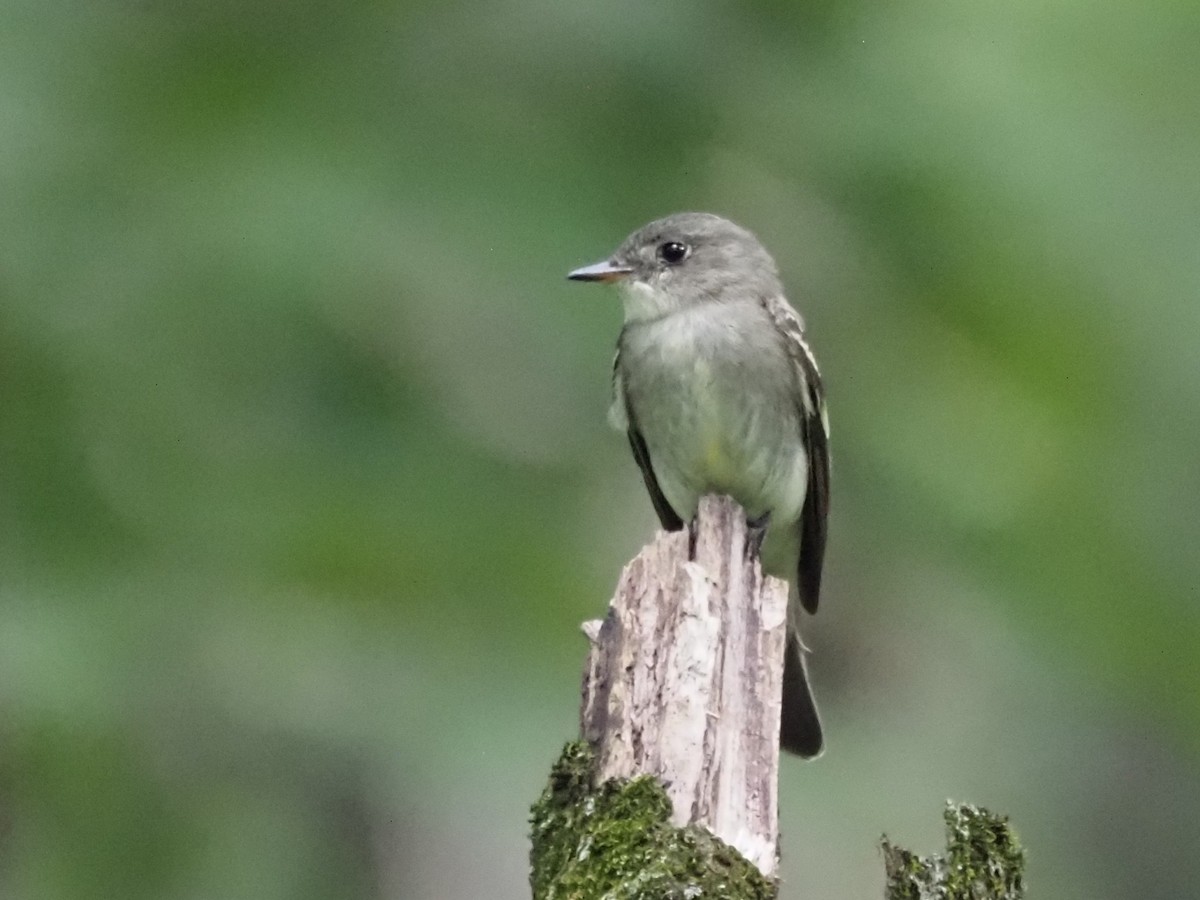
{"type": "Point", "coordinates": [715, 385]}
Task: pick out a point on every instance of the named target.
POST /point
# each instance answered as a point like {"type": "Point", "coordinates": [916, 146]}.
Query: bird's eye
{"type": "Point", "coordinates": [672, 251]}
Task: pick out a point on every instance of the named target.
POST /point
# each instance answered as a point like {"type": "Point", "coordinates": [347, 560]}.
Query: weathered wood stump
{"type": "Point", "coordinates": [684, 680]}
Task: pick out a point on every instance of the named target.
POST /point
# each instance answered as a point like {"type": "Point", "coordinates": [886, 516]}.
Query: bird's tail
{"type": "Point", "coordinates": [800, 728]}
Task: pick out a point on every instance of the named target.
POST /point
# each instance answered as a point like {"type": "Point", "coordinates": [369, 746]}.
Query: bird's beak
{"type": "Point", "coordinates": [601, 271]}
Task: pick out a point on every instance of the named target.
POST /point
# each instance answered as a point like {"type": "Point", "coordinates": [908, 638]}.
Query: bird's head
{"type": "Point", "coordinates": [685, 260]}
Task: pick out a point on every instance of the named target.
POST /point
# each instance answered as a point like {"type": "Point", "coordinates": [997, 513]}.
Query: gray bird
{"type": "Point", "coordinates": [719, 393]}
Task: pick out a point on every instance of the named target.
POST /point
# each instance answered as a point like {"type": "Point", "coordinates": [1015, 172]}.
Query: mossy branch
{"type": "Point", "coordinates": [983, 861]}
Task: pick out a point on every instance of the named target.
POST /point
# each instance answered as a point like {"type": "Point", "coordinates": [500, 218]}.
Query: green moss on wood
{"type": "Point", "coordinates": [615, 841]}
{"type": "Point", "coordinates": [983, 861]}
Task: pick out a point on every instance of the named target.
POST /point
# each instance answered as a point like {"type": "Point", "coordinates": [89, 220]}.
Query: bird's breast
{"type": "Point", "coordinates": [713, 395]}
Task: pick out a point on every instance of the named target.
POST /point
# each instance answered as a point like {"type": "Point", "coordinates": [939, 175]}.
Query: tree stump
{"type": "Point", "coordinates": [678, 768]}
{"type": "Point", "coordinates": [684, 680]}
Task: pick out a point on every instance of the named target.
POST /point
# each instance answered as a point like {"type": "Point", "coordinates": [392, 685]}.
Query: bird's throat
{"type": "Point", "coordinates": [644, 303]}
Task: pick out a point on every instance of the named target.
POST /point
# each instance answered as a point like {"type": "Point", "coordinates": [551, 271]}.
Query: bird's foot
{"type": "Point", "coordinates": [756, 533]}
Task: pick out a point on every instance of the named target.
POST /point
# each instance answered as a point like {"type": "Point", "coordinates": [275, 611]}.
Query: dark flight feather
{"type": "Point", "coordinates": [669, 518]}
{"type": "Point", "coordinates": [814, 517]}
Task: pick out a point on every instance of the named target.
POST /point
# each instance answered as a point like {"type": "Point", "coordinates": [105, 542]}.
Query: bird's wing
{"type": "Point", "coordinates": [618, 414]}
{"type": "Point", "coordinates": [814, 428]}
{"type": "Point", "coordinates": [621, 417]}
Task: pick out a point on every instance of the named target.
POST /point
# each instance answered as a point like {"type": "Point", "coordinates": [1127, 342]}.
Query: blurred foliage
{"type": "Point", "coordinates": [305, 482]}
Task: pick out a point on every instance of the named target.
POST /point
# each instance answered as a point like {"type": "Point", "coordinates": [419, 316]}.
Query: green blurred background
{"type": "Point", "coordinates": [305, 481]}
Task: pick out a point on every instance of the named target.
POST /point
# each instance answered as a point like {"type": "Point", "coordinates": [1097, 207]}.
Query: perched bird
{"type": "Point", "coordinates": [719, 393]}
